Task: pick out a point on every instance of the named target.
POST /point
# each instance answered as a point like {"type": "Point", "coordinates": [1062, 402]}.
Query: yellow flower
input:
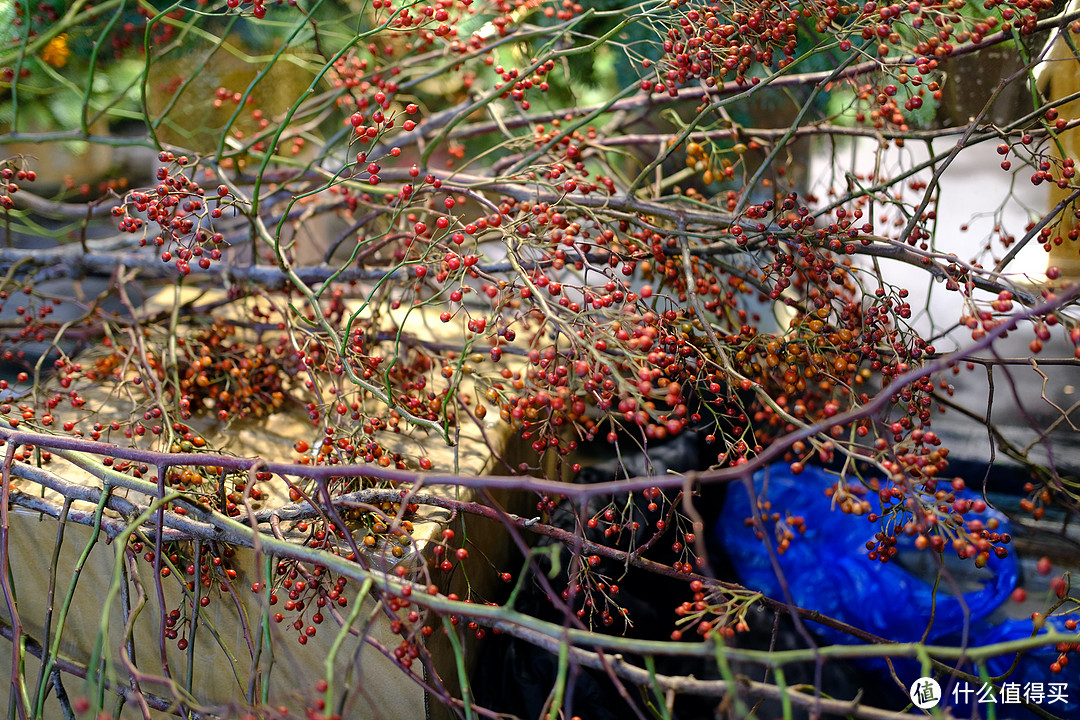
{"type": "Point", "coordinates": [57, 52]}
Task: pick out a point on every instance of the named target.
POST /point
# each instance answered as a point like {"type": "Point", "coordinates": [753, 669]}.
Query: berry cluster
{"type": "Point", "coordinates": [182, 214]}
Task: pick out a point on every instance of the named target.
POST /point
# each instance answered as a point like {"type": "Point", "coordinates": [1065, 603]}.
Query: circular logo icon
{"type": "Point", "coordinates": [925, 693]}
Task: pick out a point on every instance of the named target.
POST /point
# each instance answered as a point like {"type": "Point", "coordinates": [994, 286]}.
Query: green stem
{"type": "Point", "coordinates": [99, 658]}
{"type": "Point", "coordinates": [339, 639]}
{"type": "Point", "coordinates": [560, 681]}
{"type": "Point", "coordinates": [225, 134]}
{"type": "Point", "coordinates": [84, 123]}
{"type": "Point", "coordinates": [662, 708]}
{"type": "Point", "coordinates": [51, 652]}
{"type": "Point", "coordinates": [459, 663]}
{"type": "Point", "coordinates": [50, 596]}
{"type": "Point", "coordinates": [785, 701]}
{"type": "Point", "coordinates": [721, 653]}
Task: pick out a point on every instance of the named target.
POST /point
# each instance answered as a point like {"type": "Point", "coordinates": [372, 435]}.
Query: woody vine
{"type": "Point", "coordinates": [415, 227]}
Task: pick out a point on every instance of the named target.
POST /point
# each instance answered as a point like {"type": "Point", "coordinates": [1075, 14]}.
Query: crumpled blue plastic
{"type": "Point", "coordinates": [827, 568]}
